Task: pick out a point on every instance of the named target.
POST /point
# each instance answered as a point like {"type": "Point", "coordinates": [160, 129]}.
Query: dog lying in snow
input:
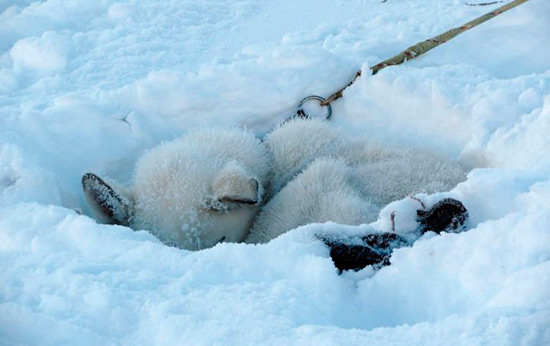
{"type": "Point", "coordinates": [192, 192]}
{"type": "Point", "coordinates": [208, 186]}
{"type": "Point", "coordinates": [319, 174]}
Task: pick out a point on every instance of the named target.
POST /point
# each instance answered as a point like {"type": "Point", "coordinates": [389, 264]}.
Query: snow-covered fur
{"type": "Point", "coordinates": [208, 186]}
{"type": "Point", "coordinates": [319, 174]}
{"type": "Point", "coordinates": [193, 192]}
{"type": "Point", "coordinates": [295, 144]}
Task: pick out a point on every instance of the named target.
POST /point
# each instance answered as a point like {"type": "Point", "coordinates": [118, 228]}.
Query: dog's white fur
{"type": "Point", "coordinates": [320, 174]}
{"type": "Point", "coordinates": [208, 186]}
{"type": "Point", "coordinates": [198, 190]}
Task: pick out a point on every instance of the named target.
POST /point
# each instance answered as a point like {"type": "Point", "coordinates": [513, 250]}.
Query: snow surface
{"type": "Point", "coordinates": [90, 85]}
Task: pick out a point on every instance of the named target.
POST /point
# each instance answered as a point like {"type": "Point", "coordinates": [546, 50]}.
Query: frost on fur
{"type": "Point", "coordinates": [208, 186]}
{"type": "Point", "coordinates": [295, 144]}
{"type": "Point", "coordinates": [321, 175]}
{"type": "Point", "coordinates": [193, 192]}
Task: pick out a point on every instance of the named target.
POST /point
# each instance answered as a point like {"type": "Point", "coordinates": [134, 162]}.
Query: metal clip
{"type": "Point", "coordinates": [300, 109]}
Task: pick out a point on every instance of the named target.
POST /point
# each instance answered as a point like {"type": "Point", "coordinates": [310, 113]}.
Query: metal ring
{"type": "Point", "coordinates": [317, 98]}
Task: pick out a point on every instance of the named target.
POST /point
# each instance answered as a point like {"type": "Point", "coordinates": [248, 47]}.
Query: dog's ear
{"type": "Point", "coordinates": [108, 205]}
{"type": "Point", "coordinates": [234, 185]}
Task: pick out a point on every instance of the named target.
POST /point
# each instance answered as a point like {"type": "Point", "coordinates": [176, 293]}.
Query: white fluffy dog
{"type": "Point", "coordinates": [208, 186]}
{"type": "Point", "coordinates": [193, 192]}
{"type": "Point", "coordinates": [320, 174]}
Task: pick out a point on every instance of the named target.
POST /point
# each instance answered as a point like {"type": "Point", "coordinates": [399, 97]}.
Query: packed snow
{"type": "Point", "coordinates": [92, 85]}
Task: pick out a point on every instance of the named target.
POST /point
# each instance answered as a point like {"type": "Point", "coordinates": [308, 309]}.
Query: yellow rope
{"type": "Point", "coordinates": [422, 47]}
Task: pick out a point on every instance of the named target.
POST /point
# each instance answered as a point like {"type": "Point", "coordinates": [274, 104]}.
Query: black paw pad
{"type": "Point", "coordinates": [447, 215]}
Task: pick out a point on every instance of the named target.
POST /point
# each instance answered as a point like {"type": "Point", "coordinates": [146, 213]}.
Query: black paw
{"type": "Point", "coordinates": [447, 215]}
{"type": "Point", "coordinates": [373, 249]}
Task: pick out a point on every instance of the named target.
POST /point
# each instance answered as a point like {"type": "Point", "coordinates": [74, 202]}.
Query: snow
{"type": "Point", "coordinates": [91, 85]}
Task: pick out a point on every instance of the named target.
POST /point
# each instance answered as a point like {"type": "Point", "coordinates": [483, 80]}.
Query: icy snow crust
{"type": "Point", "coordinates": [91, 85]}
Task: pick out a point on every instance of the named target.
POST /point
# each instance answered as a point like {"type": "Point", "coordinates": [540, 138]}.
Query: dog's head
{"type": "Point", "coordinates": [193, 192]}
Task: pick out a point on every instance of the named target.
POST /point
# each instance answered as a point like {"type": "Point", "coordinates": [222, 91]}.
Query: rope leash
{"type": "Point", "coordinates": [410, 53]}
